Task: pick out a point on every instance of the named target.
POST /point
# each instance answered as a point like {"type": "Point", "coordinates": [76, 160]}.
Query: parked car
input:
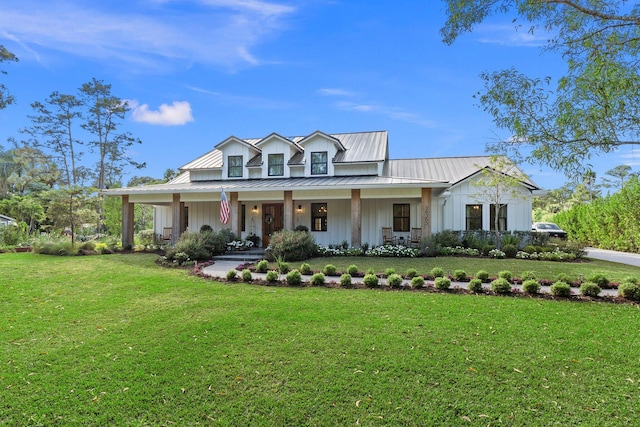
{"type": "Point", "coordinates": [550, 228]}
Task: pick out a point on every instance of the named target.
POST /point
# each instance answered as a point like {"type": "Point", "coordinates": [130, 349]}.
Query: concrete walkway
{"type": "Point", "coordinates": [614, 256]}
{"type": "Point", "coordinates": [221, 267]}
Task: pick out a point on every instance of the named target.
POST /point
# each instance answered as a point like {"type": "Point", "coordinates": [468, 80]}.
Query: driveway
{"type": "Point", "coordinates": [613, 256]}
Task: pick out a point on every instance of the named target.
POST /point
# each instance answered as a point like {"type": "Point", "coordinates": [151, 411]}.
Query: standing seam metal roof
{"type": "Point", "coordinates": [359, 147]}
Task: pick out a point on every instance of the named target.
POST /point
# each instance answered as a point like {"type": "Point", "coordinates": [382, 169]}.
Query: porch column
{"type": "Point", "coordinates": [127, 222]}
{"type": "Point", "coordinates": [236, 211]}
{"type": "Point", "coordinates": [176, 223]}
{"type": "Point", "coordinates": [356, 219]}
{"type": "Point", "coordinates": [426, 212]}
{"type": "Point", "coordinates": [288, 210]}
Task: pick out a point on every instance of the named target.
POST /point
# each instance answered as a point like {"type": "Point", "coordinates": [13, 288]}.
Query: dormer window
{"type": "Point", "coordinates": [234, 169]}
{"type": "Point", "coordinates": [319, 163]}
{"type": "Point", "coordinates": [276, 165]}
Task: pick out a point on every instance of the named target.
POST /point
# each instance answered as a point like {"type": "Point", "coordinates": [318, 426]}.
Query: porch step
{"type": "Point", "coordinates": [242, 256]}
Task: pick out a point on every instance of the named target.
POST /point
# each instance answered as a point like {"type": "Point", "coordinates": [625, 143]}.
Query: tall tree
{"type": "Point", "coordinates": [619, 175]}
{"type": "Point", "coordinates": [498, 184]}
{"type": "Point", "coordinates": [593, 109]}
{"type": "Point", "coordinates": [32, 170]}
{"type": "Point", "coordinates": [5, 97]}
{"type": "Point", "coordinates": [53, 129]}
{"type": "Point", "coordinates": [105, 112]}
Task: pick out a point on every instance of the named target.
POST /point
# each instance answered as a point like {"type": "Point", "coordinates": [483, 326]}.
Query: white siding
{"type": "Point", "coordinates": [454, 209]}
{"type": "Point", "coordinates": [319, 144]}
{"type": "Point", "coordinates": [205, 175]}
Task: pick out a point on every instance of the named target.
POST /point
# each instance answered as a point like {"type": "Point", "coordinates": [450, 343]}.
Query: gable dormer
{"type": "Point", "coordinates": [319, 151]}
{"type": "Point", "coordinates": [236, 154]}
{"type": "Point", "coordinates": [277, 153]}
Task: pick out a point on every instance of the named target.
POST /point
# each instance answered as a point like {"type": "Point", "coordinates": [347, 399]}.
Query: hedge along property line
{"type": "Point", "coordinates": [373, 281]}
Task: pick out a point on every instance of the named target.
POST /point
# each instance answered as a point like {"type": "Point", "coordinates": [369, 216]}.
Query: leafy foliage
{"type": "Point", "coordinates": [292, 245]}
{"type": "Point", "coordinates": [294, 278]}
{"type": "Point", "coordinates": [593, 108]}
{"type": "Point", "coordinates": [317, 279]}
{"type": "Point", "coordinates": [560, 289]}
{"type": "Point", "coordinates": [501, 286]}
{"type": "Point", "coordinates": [590, 289]}
{"type": "Point", "coordinates": [531, 286]}
{"type": "Point", "coordinates": [475, 285]}
{"type": "Point", "coordinates": [442, 283]}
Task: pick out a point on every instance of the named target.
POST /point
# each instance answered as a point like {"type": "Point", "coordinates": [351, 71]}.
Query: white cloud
{"type": "Point", "coordinates": [176, 114]}
{"type": "Point", "coordinates": [334, 92]}
{"type": "Point", "coordinates": [394, 113]}
{"type": "Point", "coordinates": [145, 36]}
{"type": "Point", "coordinates": [632, 158]}
{"type": "Point", "coordinates": [508, 35]}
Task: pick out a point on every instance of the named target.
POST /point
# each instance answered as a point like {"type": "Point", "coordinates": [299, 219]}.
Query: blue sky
{"type": "Point", "coordinates": [198, 71]}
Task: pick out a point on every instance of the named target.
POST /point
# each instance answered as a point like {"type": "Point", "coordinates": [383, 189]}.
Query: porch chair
{"type": "Point", "coordinates": [166, 234]}
{"type": "Point", "coordinates": [416, 237]}
{"type": "Point", "coordinates": [387, 236]}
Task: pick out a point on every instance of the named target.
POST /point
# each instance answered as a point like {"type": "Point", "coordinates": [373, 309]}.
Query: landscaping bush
{"type": "Point", "coordinates": [392, 251]}
{"type": "Point", "coordinates": [631, 279]}
{"type": "Point", "coordinates": [305, 268]}
{"type": "Point", "coordinates": [482, 275]}
{"type": "Point", "coordinates": [528, 275]}
{"type": "Point", "coordinates": [475, 285]}
{"type": "Point", "coordinates": [460, 276]}
{"type": "Point", "coordinates": [329, 270]}
{"type": "Point", "coordinates": [61, 248]}
{"type": "Point", "coordinates": [370, 280]}
{"type": "Point", "coordinates": [510, 251]}
{"type": "Point", "coordinates": [442, 283]}
{"type": "Point", "coordinates": [411, 273]}
{"type": "Point", "coordinates": [506, 274]}
{"type": "Point", "coordinates": [561, 289]}
{"type": "Point", "coordinates": [486, 249]}
{"type": "Point", "coordinates": [261, 266]}
{"type": "Point", "coordinates": [87, 246]}
{"type": "Point", "coordinates": [501, 286]}
{"type": "Point", "coordinates": [232, 274]}
{"type": "Point", "coordinates": [564, 277]}
{"type": "Point", "coordinates": [317, 279]}
{"type": "Point", "coordinates": [146, 237]}
{"type": "Point", "coordinates": [352, 270]}
{"type": "Point", "coordinates": [371, 271]}
{"type": "Point", "coordinates": [531, 286]}
{"type": "Point", "coordinates": [437, 272]}
{"type": "Point", "coordinates": [292, 245]}
{"type": "Point", "coordinates": [600, 280]}
{"type": "Point", "coordinates": [294, 278]}
{"type": "Point", "coordinates": [629, 290]}
{"type": "Point", "coordinates": [246, 275]}
{"type": "Point", "coordinates": [530, 249]}
{"type": "Point", "coordinates": [417, 282]}
{"type": "Point", "coordinates": [283, 267]}
{"type": "Point", "coordinates": [394, 280]}
{"type": "Point", "coordinates": [389, 271]}
{"type": "Point", "coordinates": [345, 280]}
{"type": "Point", "coordinates": [215, 243]}
{"type": "Point", "coordinates": [205, 228]}
{"type": "Point", "coordinates": [590, 289]}
{"type": "Point", "coordinates": [272, 276]}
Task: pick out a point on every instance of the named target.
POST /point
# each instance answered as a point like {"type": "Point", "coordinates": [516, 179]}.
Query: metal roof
{"type": "Point", "coordinates": [182, 184]}
{"type": "Point", "coordinates": [359, 147]}
{"type": "Point", "coordinates": [445, 169]}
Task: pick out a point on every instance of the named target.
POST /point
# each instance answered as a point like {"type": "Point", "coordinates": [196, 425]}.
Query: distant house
{"type": "Point", "coordinates": [5, 220]}
{"type": "Point", "coordinates": [342, 187]}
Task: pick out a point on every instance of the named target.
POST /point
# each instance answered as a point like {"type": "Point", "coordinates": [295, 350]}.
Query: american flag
{"type": "Point", "coordinates": [225, 210]}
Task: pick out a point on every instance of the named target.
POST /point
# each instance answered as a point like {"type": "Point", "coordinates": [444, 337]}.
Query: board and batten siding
{"type": "Point", "coordinates": [319, 144]}
{"type": "Point", "coordinates": [454, 209]}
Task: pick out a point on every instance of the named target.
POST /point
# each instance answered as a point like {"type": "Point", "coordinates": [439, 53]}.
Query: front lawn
{"type": "Point", "coordinates": [117, 340]}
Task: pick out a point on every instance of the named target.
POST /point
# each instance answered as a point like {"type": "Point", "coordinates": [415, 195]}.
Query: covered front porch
{"type": "Point", "coordinates": [332, 215]}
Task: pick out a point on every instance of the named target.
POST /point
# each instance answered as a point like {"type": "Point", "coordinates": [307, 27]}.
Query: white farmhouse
{"type": "Point", "coordinates": [340, 186]}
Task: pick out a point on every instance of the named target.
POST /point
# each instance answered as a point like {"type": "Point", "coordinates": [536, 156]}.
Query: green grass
{"type": "Point", "coordinates": [116, 340]}
{"type": "Point", "coordinates": [543, 269]}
